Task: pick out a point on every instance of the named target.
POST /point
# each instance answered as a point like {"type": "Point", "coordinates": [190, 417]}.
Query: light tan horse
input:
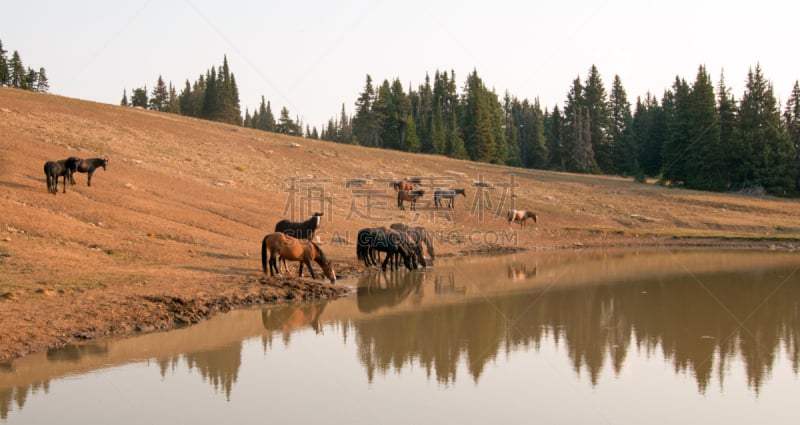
{"type": "Point", "coordinates": [289, 248]}
{"type": "Point", "coordinates": [521, 216]}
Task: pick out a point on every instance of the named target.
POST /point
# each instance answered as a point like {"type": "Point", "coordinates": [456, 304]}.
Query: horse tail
{"type": "Point", "coordinates": [264, 254]}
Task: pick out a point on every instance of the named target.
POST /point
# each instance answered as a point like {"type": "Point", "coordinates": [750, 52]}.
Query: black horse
{"type": "Point", "coordinates": [88, 166]}
{"type": "Point", "coordinates": [415, 237]}
{"type": "Point", "coordinates": [389, 241]}
{"type": "Point", "coordinates": [301, 229]}
{"type": "Point", "coordinates": [449, 195]}
{"type": "Point", "coordinates": [55, 169]}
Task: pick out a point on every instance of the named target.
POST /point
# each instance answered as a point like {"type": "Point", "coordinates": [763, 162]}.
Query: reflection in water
{"type": "Point", "coordinates": [387, 289]}
{"type": "Point", "coordinates": [704, 313]}
{"type": "Point", "coordinates": [700, 325]}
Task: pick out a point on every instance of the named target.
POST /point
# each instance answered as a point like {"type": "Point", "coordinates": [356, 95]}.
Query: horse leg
{"type": "Point", "coordinates": [386, 260]}
{"type": "Point", "coordinates": [65, 183]}
{"type": "Point", "coordinates": [89, 181]}
{"type": "Point", "coordinates": [310, 269]}
{"type": "Point", "coordinates": [273, 265]}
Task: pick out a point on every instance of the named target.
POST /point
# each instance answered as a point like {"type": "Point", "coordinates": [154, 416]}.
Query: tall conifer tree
{"type": "Point", "coordinates": [764, 148]}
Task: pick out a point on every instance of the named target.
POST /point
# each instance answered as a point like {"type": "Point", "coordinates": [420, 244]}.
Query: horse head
{"type": "Point", "coordinates": [324, 262]}
{"type": "Point", "coordinates": [104, 163]}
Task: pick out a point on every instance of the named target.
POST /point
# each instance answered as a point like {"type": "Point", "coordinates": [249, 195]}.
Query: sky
{"type": "Point", "coordinates": [312, 56]}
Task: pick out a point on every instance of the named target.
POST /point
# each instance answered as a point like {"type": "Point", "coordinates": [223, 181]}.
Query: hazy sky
{"type": "Point", "coordinates": [313, 56]}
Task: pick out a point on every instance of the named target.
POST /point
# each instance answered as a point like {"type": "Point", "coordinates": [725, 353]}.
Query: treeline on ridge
{"type": "Point", "coordinates": [13, 73]}
{"type": "Point", "coordinates": [697, 135]}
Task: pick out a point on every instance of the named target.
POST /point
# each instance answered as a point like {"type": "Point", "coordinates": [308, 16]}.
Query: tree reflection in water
{"type": "Point", "coordinates": [699, 328]}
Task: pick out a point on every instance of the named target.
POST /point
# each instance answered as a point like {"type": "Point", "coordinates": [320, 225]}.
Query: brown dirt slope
{"type": "Point", "coordinates": [170, 233]}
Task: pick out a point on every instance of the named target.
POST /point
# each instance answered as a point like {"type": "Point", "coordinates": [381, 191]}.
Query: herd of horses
{"type": "Point", "coordinates": [294, 241]}
{"type": "Point", "coordinates": [399, 242]}
{"type": "Point", "coordinates": [66, 168]}
{"type": "Point", "coordinates": [407, 190]}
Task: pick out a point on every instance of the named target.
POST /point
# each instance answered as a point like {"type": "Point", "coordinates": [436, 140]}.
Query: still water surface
{"type": "Point", "coordinates": [622, 337]}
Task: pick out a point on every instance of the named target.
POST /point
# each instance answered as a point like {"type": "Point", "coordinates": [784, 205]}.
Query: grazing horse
{"type": "Point", "coordinates": [302, 229]}
{"type": "Point", "coordinates": [384, 240]}
{"type": "Point", "coordinates": [55, 169]}
{"type": "Point", "coordinates": [449, 194]}
{"type": "Point", "coordinates": [412, 196]}
{"type": "Point", "coordinates": [521, 216]}
{"type": "Point", "coordinates": [88, 166]}
{"type": "Point", "coordinates": [286, 247]}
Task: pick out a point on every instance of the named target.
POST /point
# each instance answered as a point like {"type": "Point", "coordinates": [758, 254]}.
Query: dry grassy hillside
{"type": "Point", "coordinates": [171, 231]}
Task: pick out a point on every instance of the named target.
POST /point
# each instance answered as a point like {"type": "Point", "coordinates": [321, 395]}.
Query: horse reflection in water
{"type": "Point", "coordinates": [521, 271]}
{"type": "Point", "coordinates": [446, 285]}
{"type": "Point", "coordinates": [285, 319]}
{"type": "Point", "coordinates": [386, 290]}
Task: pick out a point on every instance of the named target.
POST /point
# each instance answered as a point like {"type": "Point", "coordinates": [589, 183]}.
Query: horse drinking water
{"type": "Point", "coordinates": [286, 247]}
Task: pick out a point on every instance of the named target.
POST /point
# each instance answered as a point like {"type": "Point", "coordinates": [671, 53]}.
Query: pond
{"type": "Point", "coordinates": [623, 336]}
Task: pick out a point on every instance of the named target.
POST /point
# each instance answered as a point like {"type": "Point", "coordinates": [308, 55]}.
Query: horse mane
{"type": "Point", "coordinates": [322, 258]}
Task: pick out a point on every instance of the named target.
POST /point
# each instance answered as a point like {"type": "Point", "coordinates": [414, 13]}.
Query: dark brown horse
{"type": "Point", "coordinates": [55, 169]}
{"type": "Point", "coordinates": [286, 247]}
{"type": "Point", "coordinates": [302, 229]}
{"type": "Point", "coordinates": [521, 216]}
{"type": "Point", "coordinates": [88, 166]}
{"type": "Point", "coordinates": [411, 196]}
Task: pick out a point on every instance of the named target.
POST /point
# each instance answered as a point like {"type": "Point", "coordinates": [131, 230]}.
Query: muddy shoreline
{"type": "Point", "coordinates": [61, 318]}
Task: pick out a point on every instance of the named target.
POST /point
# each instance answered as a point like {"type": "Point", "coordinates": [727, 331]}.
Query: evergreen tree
{"type": "Point", "coordinates": [597, 107]}
{"type": "Point", "coordinates": [42, 83]}
{"type": "Point", "coordinates": [554, 136]}
{"type": "Point", "coordinates": [286, 125]}
{"type": "Point", "coordinates": [17, 71]}
{"type": "Point", "coordinates": [705, 160]}
{"type": "Point", "coordinates": [139, 97]}
{"type": "Point", "coordinates": [366, 126]}
{"type": "Point", "coordinates": [248, 119]}
{"type": "Point", "coordinates": [424, 116]}
{"type": "Point", "coordinates": [767, 156]}
{"type": "Point", "coordinates": [792, 120]}
{"type": "Point", "coordinates": [159, 98]}
{"type": "Point", "coordinates": [124, 101]}
{"type": "Point", "coordinates": [174, 105]}
{"type": "Point", "coordinates": [210, 109]}
{"type": "Point", "coordinates": [512, 110]}
{"type": "Point", "coordinates": [185, 100]}
{"type": "Point", "coordinates": [625, 151]}
{"type": "Point", "coordinates": [677, 143]}
{"type": "Point", "coordinates": [345, 130]}
{"type": "Point", "coordinates": [5, 76]}
{"type": "Point", "coordinates": [727, 109]}
{"type": "Point", "coordinates": [31, 80]}
{"type": "Point", "coordinates": [477, 121]}
{"type": "Point", "coordinates": [577, 138]}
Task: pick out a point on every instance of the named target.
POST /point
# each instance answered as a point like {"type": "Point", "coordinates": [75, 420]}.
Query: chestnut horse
{"type": "Point", "coordinates": [521, 216]}
{"type": "Point", "coordinates": [406, 184]}
{"type": "Point", "coordinates": [286, 247]}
